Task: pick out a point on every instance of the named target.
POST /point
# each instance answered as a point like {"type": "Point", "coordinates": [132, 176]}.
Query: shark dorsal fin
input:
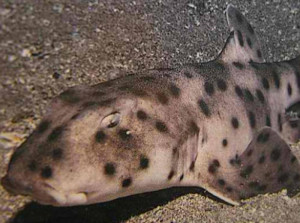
{"type": "Point", "coordinates": [242, 44]}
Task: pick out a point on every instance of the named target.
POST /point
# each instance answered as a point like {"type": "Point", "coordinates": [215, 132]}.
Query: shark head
{"type": "Point", "coordinates": [90, 148]}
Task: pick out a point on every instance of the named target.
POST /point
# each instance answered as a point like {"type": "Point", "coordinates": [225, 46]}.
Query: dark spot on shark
{"type": "Point", "coordinates": [204, 107]}
{"type": "Point", "coordinates": [171, 174]}
{"type": "Point", "coordinates": [141, 115]}
{"type": "Point", "coordinates": [216, 163]}
{"type": "Point", "coordinates": [297, 177]}
{"type": "Point", "coordinates": [229, 189]}
{"type": "Point", "coordinates": [221, 182]}
{"type": "Point", "coordinates": [224, 142]}
{"type": "Point", "coordinates": [275, 154]}
{"type": "Point", "coordinates": [239, 91]}
{"type": "Point", "coordinates": [256, 66]}
{"type": "Point", "coordinates": [221, 84]}
{"type": "Point", "coordinates": [106, 102]}
{"type": "Point", "coordinates": [124, 134]}
{"type": "Point", "coordinates": [109, 169]}
{"type": "Point", "coordinates": [276, 79]}
{"type": "Point", "coordinates": [259, 54]}
{"type": "Point", "coordinates": [46, 172]}
{"type": "Point", "coordinates": [98, 93]}
{"type": "Point", "coordinates": [192, 166]}
{"type": "Point", "coordinates": [106, 84]}
{"type": "Point", "coordinates": [249, 153]}
{"type": "Point", "coordinates": [265, 83]}
{"type": "Point", "coordinates": [43, 126]}
{"type": "Point", "coordinates": [209, 88]}
{"type": "Point", "coordinates": [239, 17]}
{"type": "Point", "coordinates": [293, 159]}
{"type": "Point", "coordinates": [148, 78]}
{"type": "Point", "coordinates": [260, 96]}
{"type": "Point", "coordinates": [261, 159]}
{"type": "Point", "coordinates": [240, 38]}
{"type": "Point", "coordinates": [194, 129]}
{"type": "Point", "coordinates": [175, 151]}
{"type": "Point", "coordinates": [161, 127]}
{"type": "Point", "coordinates": [253, 184]}
{"type": "Point", "coordinates": [144, 162]}
{"type": "Point", "coordinates": [100, 136]}
{"type": "Point", "coordinates": [268, 174]}
{"type": "Point", "coordinates": [162, 97]}
{"type": "Point", "coordinates": [279, 122]}
{"type": "Point", "coordinates": [235, 161]}
{"type": "Point", "coordinates": [56, 133]}
{"type": "Point", "coordinates": [138, 92]}
{"type": "Point", "coordinates": [249, 42]}
{"type": "Point", "coordinates": [69, 96]}
{"type": "Point", "coordinates": [242, 196]}
{"type": "Point", "coordinates": [280, 168]}
{"type": "Point", "coordinates": [283, 178]}
{"type": "Point", "coordinates": [181, 177]}
{"type": "Point", "coordinates": [124, 87]}
{"type": "Point", "coordinates": [252, 120]}
{"type": "Point", "coordinates": [57, 153]}
{"type": "Point", "coordinates": [289, 89]}
{"type": "Point", "coordinates": [127, 182]}
{"type": "Point", "coordinates": [235, 122]}
{"type": "Point", "coordinates": [293, 124]}
{"type": "Point", "coordinates": [248, 95]}
{"type": "Point", "coordinates": [188, 74]}
{"type": "Point", "coordinates": [238, 65]}
{"type": "Point", "coordinates": [175, 91]}
{"type": "Point", "coordinates": [32, 166]}
{"type": "Point", "coordinates": [263, 137]}
{"type": "Point", "coordinates": [212, 168]}
{"type": "Point", "coordinates": [75, 116]}
{"type": "Point", "coordinates": [88, 104]}
{"type": "Point", "coordinates": [261, 188]}
{"type": "Point", "coordinates": [250, 29]}
{"type": "Point", "coordinates": [246, 172]}
{"type": "Point", "coordinates": [297, 74]}
{"type": "Point", "coordinates": [268, 121]}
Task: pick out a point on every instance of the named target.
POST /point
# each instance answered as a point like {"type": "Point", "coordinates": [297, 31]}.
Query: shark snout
{"type": "Point", "coordinates": [42, 192]}
{"type": "Point", "coordinates": [15, 186]}
{"type": "Point", "coordinates": [38, 190]}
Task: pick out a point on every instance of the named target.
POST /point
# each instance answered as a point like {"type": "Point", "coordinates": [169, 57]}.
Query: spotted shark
{"type": "Point", "coordinates": [224, 125]}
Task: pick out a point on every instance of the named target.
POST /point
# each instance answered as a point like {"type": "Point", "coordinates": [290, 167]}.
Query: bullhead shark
{"type": "Point", "coordinates": [224, 125]}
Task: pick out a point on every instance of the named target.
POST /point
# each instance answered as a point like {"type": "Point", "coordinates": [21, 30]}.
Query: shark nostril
{"type": "Point", "coordinates": [46, 172]}
{"type": "Point", "coordinates": [32, 166]}
{"type": "Point", "coordinates": [57, 153]}
{"type": "Point", "coordinates": [5, 182]}
{"type": "Point", "coordinates": [15, 187]}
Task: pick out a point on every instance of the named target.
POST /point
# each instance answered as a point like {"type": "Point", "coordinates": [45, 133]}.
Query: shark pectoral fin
{"type": "Point", "coordinates": [266, 166]}
{"type": "Point", "coordinates": [242, 45]}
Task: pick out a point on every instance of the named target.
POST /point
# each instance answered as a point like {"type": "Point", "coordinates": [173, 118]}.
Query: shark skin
{"type": "Point", "coordinates": [224, 125]}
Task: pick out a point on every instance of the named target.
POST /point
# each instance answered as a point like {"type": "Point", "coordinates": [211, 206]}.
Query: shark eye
{"type": "Point", "coordinates": [112, 120]}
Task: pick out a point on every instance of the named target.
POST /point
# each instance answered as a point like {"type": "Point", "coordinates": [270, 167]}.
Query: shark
{"type": "Point", "coordinates": [225, 125]}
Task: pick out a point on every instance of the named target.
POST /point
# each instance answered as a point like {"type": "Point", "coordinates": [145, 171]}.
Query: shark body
{"type": "Point", "coordinates": [223, 125]}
